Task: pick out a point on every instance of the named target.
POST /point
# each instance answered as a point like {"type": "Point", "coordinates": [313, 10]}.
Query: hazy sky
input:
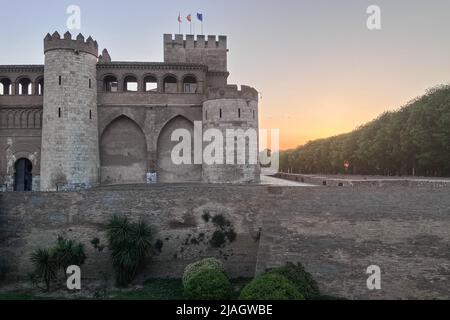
{"type": "Point", "coordinates": [319, 69]}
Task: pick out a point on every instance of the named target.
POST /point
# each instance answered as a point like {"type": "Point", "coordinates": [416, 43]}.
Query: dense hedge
{"type": "Point", "coordinates": [196, 267]}
{"type": "Point", "coordinates": [302, 279]}
{"type": "Point", "coordinates": [271, 286]}
{"type": "Point", "coordinates": [414, 140]}
{"type": "Point", "coordinates": [207, 284]}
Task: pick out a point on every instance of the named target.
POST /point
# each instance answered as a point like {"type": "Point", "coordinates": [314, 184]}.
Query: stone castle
{"type": "Point", "coordinates": [83, 120]}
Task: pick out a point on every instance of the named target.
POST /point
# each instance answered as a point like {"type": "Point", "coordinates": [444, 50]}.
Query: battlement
{"type": "Point", "coordinates": [55, 42]}
{"type": "Point", "coordinates": [232, 92]}
{"type": "Point", "coordinates": [201, 42]}
{"type": "Point", "coordinates": [207, 50]}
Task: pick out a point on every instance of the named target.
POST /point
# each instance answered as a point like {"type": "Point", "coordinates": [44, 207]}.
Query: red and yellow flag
{"type": "Point", "coordinates": [189, 18]}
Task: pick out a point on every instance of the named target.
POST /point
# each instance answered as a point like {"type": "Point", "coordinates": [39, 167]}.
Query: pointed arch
{"type": "Point", "coordinates": [123, 152]}
{"type": "Point", "coordinates": [168, 171]}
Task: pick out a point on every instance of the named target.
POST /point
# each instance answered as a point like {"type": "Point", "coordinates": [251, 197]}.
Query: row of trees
{"type": "Point", "coordinates": [415, 140]}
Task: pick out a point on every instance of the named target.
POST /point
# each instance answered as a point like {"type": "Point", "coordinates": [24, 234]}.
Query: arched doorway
{"type": "Point", "coordinates": [23, 178]}
{"type": "Point", "coordinates": [169, 172]}
{"type": "Point", "coordinates": [123, 153]}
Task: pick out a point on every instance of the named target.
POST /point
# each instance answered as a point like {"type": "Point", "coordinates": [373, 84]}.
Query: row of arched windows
{"type": "Point", "coordinates": [23, 87]}
{"type": "Point", "coordinates": [169, 84]}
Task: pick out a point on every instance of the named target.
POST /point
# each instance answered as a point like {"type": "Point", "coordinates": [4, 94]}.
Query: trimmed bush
{"type": "Point", "coordinates": [270, 286]}
{"type": "Point", "coordinates": [302, 279]}
{"type": "Point", "coordinates": [208, 284]}
{"type": "Point", "coordinates": [196, 267]}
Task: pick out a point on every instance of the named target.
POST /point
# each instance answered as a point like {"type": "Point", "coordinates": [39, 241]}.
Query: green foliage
{"type": "Point", "coordinates": [96, 244]}
{"type": "Point", "coordinates": [4, 268]}
{"type": "Point", "coordinates": [130, 244]}
{"type": "Point", "coordinates": [208, 284]}
{"type": "Point", "coordinates": [45, 267]}
{"type": "Point", "coordinates": [196, 267]}
{"type": "Point", "coordinates": [302, 279]}
{"type": "Point", "coordinates": [68, 253]}
{"type": "Point", "coordinates": [411, 141]}
{"type": "Point", "coordinates": [271, 286]}
{"type": "Point", "coordinates": [218, 239]}
{"type": "Point", "coordinates": [225, 232]}
{"type": "Point", "coordinates": [220, 221]}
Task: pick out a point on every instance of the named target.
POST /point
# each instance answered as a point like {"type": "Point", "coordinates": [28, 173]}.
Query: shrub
{"type": "Point", "coordinates": [67, 253]}
{"type": "Point", "coordinates": [218, 239]}
{"type": "Point", "coordinates": [130, 244]}
{"type": "Point", "coordinates": [271, 286]}
{"type": "Point", "coordinates": [45, 267]}
{"type": "Point", "coordinates": [196, 267]}
{"type": "Point", "coordinates": [4, 269]}
{"type": "Point", "coordinates": [302, 279]}
{"type": "Point", "coordinates": [208, 284]}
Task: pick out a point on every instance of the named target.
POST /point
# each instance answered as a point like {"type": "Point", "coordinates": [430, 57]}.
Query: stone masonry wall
{"type": "Point", "coordinates": [69, 155]}
{"type": "Point", "coordinates": [335, 232]}
{"type": "Point", "coordinates": [237, 115]}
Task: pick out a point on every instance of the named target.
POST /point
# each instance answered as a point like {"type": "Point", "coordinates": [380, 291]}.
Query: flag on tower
{"type": "Point", "coordinates": [189, 18]}
{"type": "Point", "coordinates": [200, 18]}
{"type": "Point", "coordinates": [179, 23]}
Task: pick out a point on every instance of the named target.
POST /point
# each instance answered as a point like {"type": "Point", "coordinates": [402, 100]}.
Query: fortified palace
{"type": "Point", "coordinates": [82, 120]}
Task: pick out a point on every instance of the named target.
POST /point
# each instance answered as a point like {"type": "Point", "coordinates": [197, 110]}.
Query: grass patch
{"type": "Point", "coordinates": [18, 296]}
{"type": "Point", "coordinates": [154, 289]}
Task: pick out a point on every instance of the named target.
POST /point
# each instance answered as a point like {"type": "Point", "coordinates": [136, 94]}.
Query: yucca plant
{"type": "Point", "coordinates": [130, 244]}
{"type": "Point", "coordinates": [45, 266]}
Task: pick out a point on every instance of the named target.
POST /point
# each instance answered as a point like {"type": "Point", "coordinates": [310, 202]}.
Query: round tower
{"type": "Point", "coordinates": [234, 113]}
{"type": "Point", "coordinates": [70, 152]}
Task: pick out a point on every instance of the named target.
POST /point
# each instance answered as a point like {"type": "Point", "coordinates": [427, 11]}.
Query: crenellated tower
{"type": "Point", "coordinates": [70, 149]}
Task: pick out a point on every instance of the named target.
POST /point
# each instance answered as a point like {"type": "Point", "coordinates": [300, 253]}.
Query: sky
{"type": "Point", "coordinates": [319, 69]}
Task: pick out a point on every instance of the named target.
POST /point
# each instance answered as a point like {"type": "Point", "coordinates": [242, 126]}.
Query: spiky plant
{"type": "Point", "coordinates": [130, 244]}
{"type": "Point", "coordinates": [45, 266]}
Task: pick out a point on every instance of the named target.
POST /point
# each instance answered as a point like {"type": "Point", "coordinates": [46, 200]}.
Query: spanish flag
{"type": "Point", "coordinates": [189, 18]}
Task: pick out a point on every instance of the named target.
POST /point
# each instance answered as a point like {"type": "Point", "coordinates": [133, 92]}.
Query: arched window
{"type": "Point", "coordinates": [110, 84]}
{"type": "Point", "coordinates": [24, 86]}
{"type": "Point", "coordinates": [190, 84]}
{"type": "Point", "coordinates": [170, 84]}
{"type": "Point", "coordinates": [130, 84]}
{"type": "Point", "coordinates": [40, 87]}
{"type": "Point", "coordinates": [150, 84]}
{"type": "Point", "coordinates": [5, 87]}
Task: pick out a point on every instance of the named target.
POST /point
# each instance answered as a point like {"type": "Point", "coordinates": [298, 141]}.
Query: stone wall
{"type": "Point", "coordinates": [335, 232]}
{"type": "Point", "coordinates": [70, 150]}
{"type": "Point", "coordinates": [367, 181]}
